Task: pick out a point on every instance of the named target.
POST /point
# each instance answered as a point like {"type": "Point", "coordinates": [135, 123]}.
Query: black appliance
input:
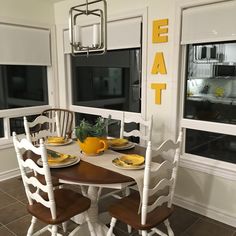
{"type": "Point", "coordinates": [224, 70]}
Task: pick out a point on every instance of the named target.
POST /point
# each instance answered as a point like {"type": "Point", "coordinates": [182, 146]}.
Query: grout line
{"type": "Point", "coordinates": [218, 223]}
{"type": "Point", "coordinates": [8, 205]}
{"type": "Point", "coordinates": [185, 231]}
{"type": "Point", "coordinates": [21, 217]}
{"type": "Point", "coordinates": [19, 201]}
{"type": "Point", "coordinates": [9, 230]}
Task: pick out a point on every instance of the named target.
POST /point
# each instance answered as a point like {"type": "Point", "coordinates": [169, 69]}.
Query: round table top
{"type": "Point", "coordinates": [84, 172]}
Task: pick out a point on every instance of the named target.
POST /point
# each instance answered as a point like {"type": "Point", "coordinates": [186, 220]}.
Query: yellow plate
{"type": "Point", "coordinates": [72, 160]}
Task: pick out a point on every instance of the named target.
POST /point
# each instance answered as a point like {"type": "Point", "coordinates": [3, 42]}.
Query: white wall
{"type": "Point", "coordinates": [28, 10]}
{"type": "Point", "coordinates": [25, 12]}
{"type": "Point", "coordinates": [207, 194]}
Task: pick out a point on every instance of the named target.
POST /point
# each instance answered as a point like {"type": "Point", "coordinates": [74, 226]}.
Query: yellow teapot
{"type": "Point", "coordinates": [93, 145]}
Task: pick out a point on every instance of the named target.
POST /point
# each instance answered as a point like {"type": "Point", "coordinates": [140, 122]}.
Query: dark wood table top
{"type": "Point", "coordinates": [85, 172]}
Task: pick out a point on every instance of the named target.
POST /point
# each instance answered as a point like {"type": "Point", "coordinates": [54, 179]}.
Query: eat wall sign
{"type": "Point", "coordinates": [159, 35]}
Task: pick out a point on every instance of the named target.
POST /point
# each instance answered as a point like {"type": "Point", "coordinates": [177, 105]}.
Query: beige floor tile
{"type": "Point", "coordinates": [5, 200]}
{"type": "Point", "coordinates": [204, 228]}
{"type": "Point", "coordinates": [12, 212]}
{"type": "Point", "coordinates": [5, 232]}
{"type": "Point", "coordinates": [21, 225]}
{"type": "Point", "coordinates": [13, 187]}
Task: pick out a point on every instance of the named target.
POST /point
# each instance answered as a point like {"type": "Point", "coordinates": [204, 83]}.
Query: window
{"type": "Point", "coordinates": [110, 81]}
{"type": "Point", "coordinates": [210, 101]}
{"type": "Point", "coordinates": [22, 86]}
{"type": "Point", "coordinates": [211, 145]}
{"type": "Point", "coordinates": [23, 75]}
{"type": "Point", "coordinates": [1, 128]}
{"type": "Point", "coordinates": [210, 83]}
{"type": "Point", "coordinates": [17, 125]}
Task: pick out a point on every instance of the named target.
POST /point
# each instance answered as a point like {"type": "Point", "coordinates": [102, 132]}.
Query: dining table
{"type": "Point", "coordinates": [93, 173]}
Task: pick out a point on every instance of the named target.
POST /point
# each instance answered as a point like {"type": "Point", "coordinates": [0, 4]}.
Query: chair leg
{"type": "Point", "coordinates": [127, 191]}
{"type": "Point", "coordinates": [169, 230]}
{"type": "Point", "coordinates": [54, 230]}
{"type": "Point", "coordinates": [129, 228]}
{"type": "Point", "coordinates": [144, 233]}
{"type": "Point", "coordinates": [64, 226]}
{"type": "Point", "coordinates": [112, 225]}
{"type": "Point", "coordinates": [31, 228]}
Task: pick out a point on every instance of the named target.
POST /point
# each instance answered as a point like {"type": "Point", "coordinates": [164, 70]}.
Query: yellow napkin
{"type": "Point", "coordinates": [55, 139]}
{"type": "Point", "coordinates": [118, 141]}
{"type": "Point", "coordinates": [55, 157]}
{"type": "Point", "coordinates": [129, 160]}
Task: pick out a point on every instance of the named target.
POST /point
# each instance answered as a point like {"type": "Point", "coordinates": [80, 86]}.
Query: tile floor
{"type": "Point", "coordinates": [14, 219]}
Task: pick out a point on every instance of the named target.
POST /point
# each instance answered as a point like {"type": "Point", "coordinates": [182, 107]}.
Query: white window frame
{"type": "Point", "coordinates": [100, 111]}
{"type": "Point", "coordinates": [6, 114]}
{"type": "Point", "coordinates": [199, 163]}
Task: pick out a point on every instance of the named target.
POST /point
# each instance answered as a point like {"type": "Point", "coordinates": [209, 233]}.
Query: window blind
{"type": "Point", "coordinates": [121, 34]}
{"type": "Point", "coordinates": [21, 45]}
{"type": "Point", "coordinates": [209, 23]}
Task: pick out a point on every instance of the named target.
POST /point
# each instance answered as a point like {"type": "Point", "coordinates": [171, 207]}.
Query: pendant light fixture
{"type": "Point", "coordinates": [99, 29]}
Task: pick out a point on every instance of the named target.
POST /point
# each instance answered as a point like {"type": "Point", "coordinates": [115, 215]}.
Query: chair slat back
{"type": "Point", "coordinates": [157, 180]}
{"type": "Point", "coordinates": [46, 127]}
{"type": "Point", "coordinates": [65, 119]}
{"type": "Point", "coordinates": [34, 194]}
{"type": "Point", "coordinates": [136, 133]}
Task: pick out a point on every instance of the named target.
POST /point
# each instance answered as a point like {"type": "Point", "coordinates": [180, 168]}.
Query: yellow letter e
{"type": "Point", "coordinates": [159, 30]}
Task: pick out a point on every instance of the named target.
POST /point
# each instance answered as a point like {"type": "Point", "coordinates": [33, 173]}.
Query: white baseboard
{"type": "Point", "coordinates": [202, 209]}
{"type": "Point", "coordinates": [9, 174]}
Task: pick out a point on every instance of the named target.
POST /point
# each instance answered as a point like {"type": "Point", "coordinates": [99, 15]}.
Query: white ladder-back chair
{"type": "Point", "coordinates": [136, 133]}
{"type": "Point", "coordinates": [37, 134]}
{"type": "Point", "coordinates": [157, 195]}
{"type": "Point", "coordinates": [51, 128]}
{"type": "Point", "coordinates": [50, 206]}
{"type": "Point", "coordinates": [147, 124]}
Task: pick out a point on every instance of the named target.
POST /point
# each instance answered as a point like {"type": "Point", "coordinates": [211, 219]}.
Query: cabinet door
{"type": "Point", "coordinates": [230, 53]}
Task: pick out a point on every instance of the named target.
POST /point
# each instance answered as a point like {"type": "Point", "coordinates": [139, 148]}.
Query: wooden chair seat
{"type": "Point", "coordinates": [127, 208]}
{"type": "Point", "coordinates": [68, 204]}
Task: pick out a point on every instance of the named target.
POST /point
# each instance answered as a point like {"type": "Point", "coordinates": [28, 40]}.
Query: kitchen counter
{"type": "Point", "coordinates": [212, 99]}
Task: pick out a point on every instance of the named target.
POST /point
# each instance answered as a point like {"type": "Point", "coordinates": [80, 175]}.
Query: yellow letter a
{"type": "Point", "coordinates": [159, 64]}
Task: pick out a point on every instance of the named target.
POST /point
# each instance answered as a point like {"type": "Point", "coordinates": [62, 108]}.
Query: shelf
{"type": "Point", "coordinates": [212, 99]}
{"type": "Point", "coordinates": [214, 77]}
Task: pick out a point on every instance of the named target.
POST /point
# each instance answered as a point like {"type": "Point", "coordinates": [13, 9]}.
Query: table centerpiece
{"type": "Point", "coordinates": [92, 137]}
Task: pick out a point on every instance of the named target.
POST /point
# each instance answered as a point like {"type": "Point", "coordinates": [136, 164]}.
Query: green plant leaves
{"type": "Point", "coordinates": [85, 129]}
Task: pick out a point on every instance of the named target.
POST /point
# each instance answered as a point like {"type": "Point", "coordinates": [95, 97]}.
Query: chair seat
{"type": "Point", "coordinates": [127, 208]}
{"type": "Point", "coordinates": [68, 204]}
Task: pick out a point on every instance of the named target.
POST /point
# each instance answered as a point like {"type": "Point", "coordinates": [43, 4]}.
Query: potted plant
{"type": "Point", "coordinates": [92, 137]}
